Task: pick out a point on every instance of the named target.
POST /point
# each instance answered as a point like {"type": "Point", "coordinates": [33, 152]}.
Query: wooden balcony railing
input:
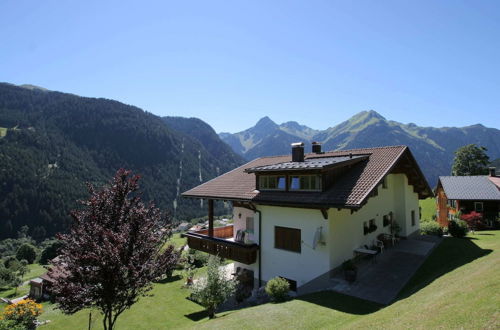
{"type": "Point", "coordinates": [244, 253]}
{"type": "Point", "coordinates": [219, 232]}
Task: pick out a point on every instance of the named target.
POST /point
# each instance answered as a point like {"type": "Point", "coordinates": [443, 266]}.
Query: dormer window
{"type": "Point", "coordinates": [305, 182]}
{"type": "Point", "coordinates": [272, 182]}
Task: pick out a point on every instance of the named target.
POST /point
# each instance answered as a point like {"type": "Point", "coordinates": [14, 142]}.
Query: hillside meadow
{"type": "Point", "coordinates": [456, 287]}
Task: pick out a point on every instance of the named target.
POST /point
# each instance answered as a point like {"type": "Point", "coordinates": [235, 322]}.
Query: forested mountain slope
{"type": "Point", "coordinates": [52, 143]}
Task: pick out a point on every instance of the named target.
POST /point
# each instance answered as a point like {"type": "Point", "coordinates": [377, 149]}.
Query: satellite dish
{"type": "Point", "coordinates": [317, 237]}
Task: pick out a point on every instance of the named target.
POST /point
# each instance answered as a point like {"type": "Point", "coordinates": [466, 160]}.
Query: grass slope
{"type": "Point", "coordinates": [457, 287]}
{"type": "Point", "coordinates": [428, 208]}
{"type": "Point", "coordinates": [34, 270]}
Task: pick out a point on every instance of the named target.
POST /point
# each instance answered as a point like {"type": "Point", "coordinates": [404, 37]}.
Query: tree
{"type": "Point", "coordinates": [27, 252]}
{"type": "Point", "coordinates": [113, 252]}
{"type": "Point", "coordinates": [470, 160]}
{"type": "Point", "coordinates": [215, 288]}
{"type": "Point", "coordinates": [21, 269]}
{"type": "Point", "coordinates": [7, 276]}
{"type": "Point", "coordinates": [50, 251]}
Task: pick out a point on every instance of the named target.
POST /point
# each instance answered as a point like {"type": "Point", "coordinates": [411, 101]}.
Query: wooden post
{"type": "Point", "coordinates": [211, 217]}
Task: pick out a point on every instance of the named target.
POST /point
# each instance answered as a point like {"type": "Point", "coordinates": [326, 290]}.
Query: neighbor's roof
{"type": "Point", "coordinates": [495, 180]}
{"type": "Point", "coordinates": [308, 164]}
{"type": "Point", "coordinates": [350, 190]}
{"type": "Point", "coordinates": [469, 188]}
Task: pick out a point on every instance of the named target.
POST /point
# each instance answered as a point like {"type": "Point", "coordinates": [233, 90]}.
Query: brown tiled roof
{"type": "Point", "coordinates": [351, 190]}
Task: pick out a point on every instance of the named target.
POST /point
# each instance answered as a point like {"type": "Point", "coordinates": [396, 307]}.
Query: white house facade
{"type": "Point", "coordinates": [300, 219]}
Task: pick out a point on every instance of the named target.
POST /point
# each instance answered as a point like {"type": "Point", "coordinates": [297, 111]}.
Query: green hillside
{"type": "Point", "coordinates": [62, 141]}
{"type": "Point", "coordinates": [456, 287]}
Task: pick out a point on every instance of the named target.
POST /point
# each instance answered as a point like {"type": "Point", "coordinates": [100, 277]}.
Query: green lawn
{"type": "Point", "coordinates": [457, 287]}
{"type": "Point", "coordinates": [34, 270]}
{"type": "Point", "coordinates": [428, 208]}
{"type": "Point", "coordinates": [177, 240]}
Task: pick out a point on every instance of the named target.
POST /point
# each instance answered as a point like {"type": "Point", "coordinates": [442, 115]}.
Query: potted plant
{"type": "Point", "coordinates": [350, 270]}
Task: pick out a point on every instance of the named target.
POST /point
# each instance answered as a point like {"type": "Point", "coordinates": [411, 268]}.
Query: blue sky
{"type": "Point", "coordinates": [433, 63]}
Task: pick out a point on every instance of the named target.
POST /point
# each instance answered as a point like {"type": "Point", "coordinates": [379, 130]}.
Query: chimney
{"type": "Point", "coordinates": [316, 147]}
{"type": "Point", "coordinates": [298, 152]}
{"type": "Point", "coordinates": [492, 171]}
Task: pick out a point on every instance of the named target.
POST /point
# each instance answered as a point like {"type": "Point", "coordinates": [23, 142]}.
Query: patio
{"type": "Point", "coordinates": [380, 279]}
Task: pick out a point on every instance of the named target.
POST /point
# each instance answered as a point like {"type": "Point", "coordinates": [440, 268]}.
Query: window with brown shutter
{"type": "Point", "coordinates": [287, 239]}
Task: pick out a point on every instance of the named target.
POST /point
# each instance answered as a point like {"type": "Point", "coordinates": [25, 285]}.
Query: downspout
{"type": "Point", "coordinates": [260, 246]}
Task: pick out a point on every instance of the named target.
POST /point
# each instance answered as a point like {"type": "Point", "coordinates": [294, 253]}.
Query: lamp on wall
{"type": "Point", "coordinates": [239, 215]}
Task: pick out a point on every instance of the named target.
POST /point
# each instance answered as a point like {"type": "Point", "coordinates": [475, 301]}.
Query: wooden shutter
{"type": "Point", "coordinates": [287, 239]}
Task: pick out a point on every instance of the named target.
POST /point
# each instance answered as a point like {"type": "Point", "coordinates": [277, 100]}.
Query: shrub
{"type": "Point", "coordinates": [197, 258]}
{"type": "Point", "coordinates": [50, 251]}
{"type": "Point", "coordinates": [474, 220]}
{"type": "Point", "coordinates": [215, 288]}
{"type": "Point", "coordinates": [23, 313]}
{"type": "Point", "coordinates": [277, 288]}
{"type": "Point", "coordinates": [431, 228]}
{"type": "Point", "coordinates": [10, 325]}
{"type": "Point", "coordinates": [457, 228]}
{"type": "Point", "coordinates": [27, 252]}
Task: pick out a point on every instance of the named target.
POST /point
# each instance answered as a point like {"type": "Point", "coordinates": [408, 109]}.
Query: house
{"type": "Point", "coordinates": [41, 287]}
{"type": "Point", "coordinates": [468, 193]}
{"type": "Point", "coordinates": [300, 216]}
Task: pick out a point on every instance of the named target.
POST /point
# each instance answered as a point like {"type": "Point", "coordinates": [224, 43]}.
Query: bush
{"type": "Point", "coordinates": [10, 325]}
{"type": "Point", "coordinates": [50, 251]}
{"type": "Point", "coordinates": [215, 288]}
{"type": "Point", "coordinates": [431, 228]}
{"type": "Point", "coordinates": [457, 228]}
{"type": "Point", "coordinates": [23, 313]}
{"type": "Point", "coordinates": [27, 252]}
{"type": "Point", "coordinates": [197, 258]}
{"type": "Point", "coordinates": [474, 220]}
{"type": "Point", "coordinates": [277, 288]}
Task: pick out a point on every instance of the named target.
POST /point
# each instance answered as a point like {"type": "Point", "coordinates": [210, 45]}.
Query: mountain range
{"type": "Point", "coordinates": [432, 147]}
{"type": "Point", "coordinates": [51, 143]}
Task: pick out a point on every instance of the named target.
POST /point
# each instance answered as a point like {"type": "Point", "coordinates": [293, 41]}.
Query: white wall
{"type": "Point", "coordinates": [240, 215]}
{"type": "Point", "coordinates": [342, 232]}
{"type": "Point", "coordinates": [301, 267]}
{"type": "Point", "coordinates": [346, 229]}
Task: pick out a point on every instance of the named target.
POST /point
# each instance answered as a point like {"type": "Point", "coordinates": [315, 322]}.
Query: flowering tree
{"type": "Point", "coordinates": [114, 251]}
{"type": "Point", "coordinates": [22, 313]}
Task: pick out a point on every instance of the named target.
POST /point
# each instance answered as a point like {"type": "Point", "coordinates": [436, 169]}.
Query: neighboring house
{"type": "Point", "coordinates": [468, 193]}
{"type": "Point", "coordinates": [41, 287]}
{"type": "Point", "coordinates": [301, 216]}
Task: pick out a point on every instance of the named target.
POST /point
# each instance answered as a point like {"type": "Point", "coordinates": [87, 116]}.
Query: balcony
{"type": "Point", "coordinates": [222, 244]}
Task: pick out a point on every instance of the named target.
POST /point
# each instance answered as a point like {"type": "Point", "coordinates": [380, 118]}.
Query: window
{"type": "Point", "coordinates": [287, 239]}
{"type": "Point", "coordinates": [413, 221]}
{"type": "Point", "coordinates": [478, 207]}
{"type": "Point", "coordinates": [249, 224]}
{"type": "Point", "coordinates": [384, 182]}
{"type": "Point", "coordinates": [272, 182]}
{"type": "Point", "coordinates": [305, 182]}
{"type": "Point", "coordinates": [293, 284]}
{"type": "Point", "coordinates": [369, 227]}
{"type": "Point", "coordinates": [387, 220]}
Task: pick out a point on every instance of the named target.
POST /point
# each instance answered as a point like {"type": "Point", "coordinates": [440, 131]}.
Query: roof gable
{"type": "Point", "coordinates": [351, 190]}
